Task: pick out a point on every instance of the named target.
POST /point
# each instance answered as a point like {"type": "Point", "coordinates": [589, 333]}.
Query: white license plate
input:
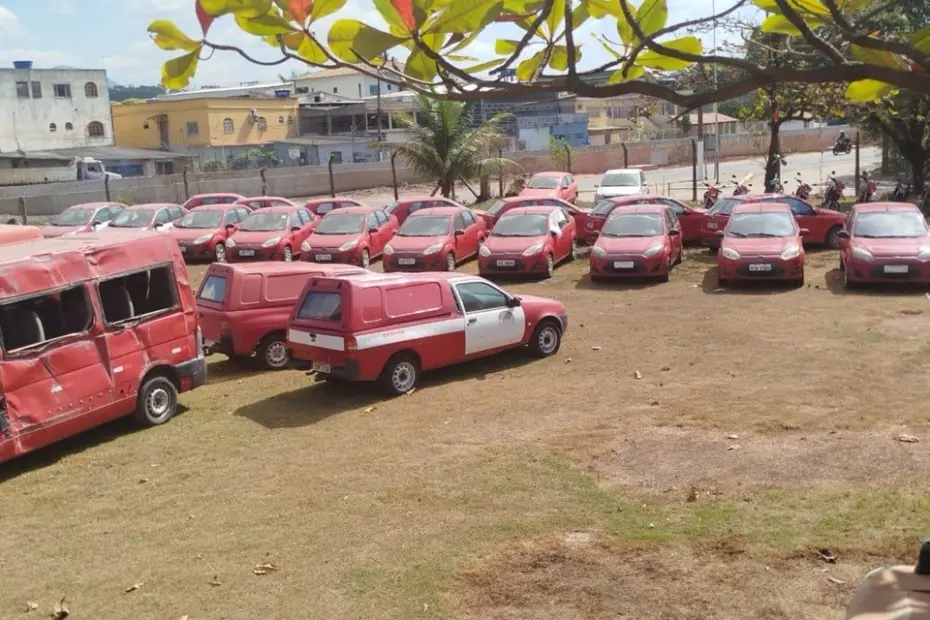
{"type": "Point", "coordinates": [406, 261]}
{"type": "Point", "coordinates": [183, 248]}
{"type": "Point", "coordinates": [324, 257]}
{"type": "Point", "coordinates": [895, 268]}
{"type": "Point", "coordinates": [711, 225]}
{"type": "Point", "coordinates": [506, 263]}
{"type": "Point", "coordinates": [623, 264]}
{"type": "Point", "coordinates": [246, 252]}
{"type": "Point", "coordinates": [321, 367]}
{"type": "Point", "coordinates": [762, 267]}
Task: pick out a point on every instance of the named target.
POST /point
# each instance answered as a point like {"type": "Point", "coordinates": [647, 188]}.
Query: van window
{"type": "Point", "coordinates": [478, 296]}
{"type": "Point", "coordinates": [321, 306]}
{"type": "Point", "coordinates": [138, 294]}
{"type": "Point", "coordinates": [38, 320]}
{"type": "Point", "coordinates": [416, 299]}
{"type": "Point", "coordinates": [214, 289]}
{"type": "Point", "coordinates": [285, 287]}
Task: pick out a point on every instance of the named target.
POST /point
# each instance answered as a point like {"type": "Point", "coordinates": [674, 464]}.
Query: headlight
{"type": "Point", "coordinates": [230, 243]}
{"type": "Point", "coordinates": [792, 251]}
{"type": "Point", "coordinates": [271, 242]}
{"type": "Point", "coordinates": [533, 249]}
{"type": "Point", "coordinates": [923, 254]}
{"type": "Point", "coordinates": [348, 245]}
{"type": "Point", "coordinates": [202, 239]}
{"type": "Point", "coordinates": [862, 254]}
{"type": "Point", "coordinates": [484, 251]}
{"type": "Point", "coordinates": [730, 253]}
{"type": "Point", "coordinates": [598, 251]}
{"type": "Point", "coordinates": [432, 249]}
{"type": "Point", "coordinates": [305, 246]}
{"type": "Point", "coordinates": [388, 249]}
{"type": "Point", "coordinates": [654, 249]}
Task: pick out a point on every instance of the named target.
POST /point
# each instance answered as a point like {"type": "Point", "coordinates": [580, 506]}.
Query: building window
{"type": "Point", "coordinates": [390, 87]}
{"type": "Point", "coordinates": [52, 127]}
{"type": "Point", "coordinates": [145, 124]}
{"type": "Point", "coordinates": [69, 127]}
{"type": "Point", "coordinates": [335, 90]}
{"type": "Point", "coordinates": [62, 91]}
{"type": "Point", "coordinates": [95, 129]}
{"type": "Point", "coordinates": [192, 129]}
{"type": "Point", "coordinates": [360, 89]}
{"type": "Point", "coordinates": [290, 119]}
{"type": "Point", "coordinates": [280, 120]}
{"type": "Point", "coordinates": [372, 89]}
{"type": "Point", "coordinates": [22, 90]}
{"type": "Point", "coordinates": [262, 124]}
{"type": "Point", "coordinates": [90, 90]}
{"type": "Point", "coordinates": [228, 125]}
{"type": "Point", "coordinates": [37, 90]}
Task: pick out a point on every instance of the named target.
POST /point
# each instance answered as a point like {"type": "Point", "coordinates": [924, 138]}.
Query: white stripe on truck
{"type": "Point", "coordinates": [379, 338]}
{"type": "Point", "coordinates": [323, 341]}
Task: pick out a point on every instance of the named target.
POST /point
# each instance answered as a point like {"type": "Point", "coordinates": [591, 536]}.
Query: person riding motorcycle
{"type": "Point", "coordinates": [517, 185]}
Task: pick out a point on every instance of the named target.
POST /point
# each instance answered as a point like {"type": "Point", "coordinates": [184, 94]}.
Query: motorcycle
{"type": "Point", "coordinates": [711, 195]}
{"type": "Point", "coordinates": [776, 187]}
{"type": "Point", "coordinates": [833, 193]}
{"type": "Point", "coordinates": [867, 191]}
{"type": "Point", "coordinates": [900, 192]}
{"type": "Point", "coordinates": [803, 190]}
{"type": "Point", "coordinates": [516, 186]}
{"type": "Point", "coordinates": [842, 146]}
{"type": "Point", "coordinates": [742, 187]}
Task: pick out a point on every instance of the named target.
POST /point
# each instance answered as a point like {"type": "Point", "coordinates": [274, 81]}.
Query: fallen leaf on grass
{"type": "Point", "coordinates": [369, 409]}
{"type": "Point", "coordinates": [838, 582]}
{"type": "Point", "coordinates": [60, 611]}
{"type": "Point", "coordinates": [31, 606]}
{"type": "Point", "coordinates": [733, 447]}
{"type": "Point", "coordinates": [904, 438]}
{"type": "Point", "coordinates": [637, 375]}
{"type": "Point", "coordinates": [595, 348]}
{"type": "Point", "coordinates": [827, 556]}
{"type": "Point", "coordinates": [215, 582]}
{"type": "Point", "coordinates": [264, 569]}
{"type": "Point", "coordinates": [134, 587]}
{"type": "Point", "coordinates": [732, 436]}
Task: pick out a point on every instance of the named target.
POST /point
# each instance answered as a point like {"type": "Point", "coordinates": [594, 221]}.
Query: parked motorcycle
{"type": "Point", "coordinates": [833, 192]}
{"type": "Point", "coordinates": [775, 187]}
{"type": "Point", "coordinates": [842, 146]}
{"type": "Point", "coordinates": [900, 191]}
{"type": "Point", "coordinates": [741, 187]}
{"type": "Point", "coordinates": [803, 191]}
{"type": "Point", "coordinates": [711, 195]}
{"type": "Point", "coordinates": [516, 186]}
{"type": "Point", "coordinates": [867, 191]}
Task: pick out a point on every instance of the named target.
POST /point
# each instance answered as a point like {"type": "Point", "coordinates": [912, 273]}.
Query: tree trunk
{"type": "Point", "coordinates": [448, 188]}
{"type": "Point", "coordinates": [918, 161]}
{"type": "Point", "coordinates": [773, 163]}
{"type": "Point", "coordinates": [484, 193]}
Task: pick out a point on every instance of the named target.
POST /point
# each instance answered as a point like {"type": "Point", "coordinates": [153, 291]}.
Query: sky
{"type": "Point", "coordinates": [111, 34]}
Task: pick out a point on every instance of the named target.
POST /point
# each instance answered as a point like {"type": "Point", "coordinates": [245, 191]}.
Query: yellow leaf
{"type": "Point", "coordinates": [633, 73]}
{"type": "Point", "coordinates": [602, 8]}
{"type": "Point", "coordinates": [921, 39]}
{"type": "Point", "coordinates": [769, 6]}
{"type": "Point", "coordinates": [505, 46]}
{"type": "Point", "coordinates": [167, 36]}
{"type": "Point", "coordinates": [527, 69]}
{"type": "Point", "coordinates": [421, 67]}
{"type": "Point", "coordinates": [779, 24]}
{"type": "Point", "coordinates": [311, 52]}
{"type": "Point", "coordinates": [556, 17]}
{"type": "Point", "coordinates": [265, 25]}
{"type": "Point", "coordinates": [293, 40]}
{"type": "Point", "coordinates": [655, 60]}
{"type": "Point", "coordinates": [177, 72]}
{"type": "Point", "coordinates": [558, 58]}
{"type": "Point", "coordinates": [809, 8]}
{"type": "Point", "coordinates": [322, 8]}
{"type": "Point", "coordinates": [465, 16]}
{"type": "Point", "coordinates": [350, 38]}
{"type": "Point", "coordinates": [246, 8]}
{"type": "Point", "coordinates": [485, 66]}
{"type": "Point", "coordinates": [652, 15]}
{"type": "Point", "coordinates": [867, 91]}
{"type": "Point", "coordinates": [878, 57]}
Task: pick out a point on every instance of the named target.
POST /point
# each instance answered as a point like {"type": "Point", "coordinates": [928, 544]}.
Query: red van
{"type": "Point", "coordinates": [93, 326]}
{"type": "Point", "coordinates": [13, 233]}
{"type": "Point", "coordinates": [244, 307]}
{"type": "Point", "coordinates": [390, 327]}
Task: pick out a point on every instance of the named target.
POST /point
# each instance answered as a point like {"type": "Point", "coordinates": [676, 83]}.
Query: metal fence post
{"type": "Point", "coordinates": [106, 187]}
{"type": "Point", "coordinates": [22, 210]}
{"type": "Point", "coordinates": [500, 174]}
{"type": "Point", "coordinates": [568, 159]}
{"type": "Point", "coordinates": [393, 174]}
{"type": "Point", "coordinates": [332, 181]}
{"type": "Point", "coordinates": [857, 166]}
{"type": "Point", "coordinates": [694, 169]}
{"type": "Point", "coordinates": [261, 173]}
{"type": "Point", "coordinates": [187, 190]}
{"type": "Point", "coordinates": [626, 155]}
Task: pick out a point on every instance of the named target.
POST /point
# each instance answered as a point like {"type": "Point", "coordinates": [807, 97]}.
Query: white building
{"type": "Point", "coordinates": [45, 109]}
{"type": "Point", "coordinates": [253, 89]}
{"type": "Point", "coordinates": [342, 81]}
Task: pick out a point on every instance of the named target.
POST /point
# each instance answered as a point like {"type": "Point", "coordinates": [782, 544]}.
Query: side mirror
{"type": "Point", "coordinates": [842, 234]}
{"type": "Point", "coordinates": [373, 229]}
{"type": "Point", "coordinates": [295, 229]}
{"type": "Point", "coordinates": [675, 233]}
{"type": "Point", "coordinates": [157, 225]}
{"type": "Point", "coordinates": [459, 233]}
{"type": "Point", "coordinates": [513, 302]}
{"type": "Point", "coordinates": [719, 233]}
{"type": "Point", "coordinates": [394, 232]}
{"type": "Point", "coordinates": [596, 185]}
{"type": "Point", "coordinates": [230, 228]}
{"type": "Point", "coordinates": [804, 232]}
{"type": "Point", "coordinates": [96, 223]}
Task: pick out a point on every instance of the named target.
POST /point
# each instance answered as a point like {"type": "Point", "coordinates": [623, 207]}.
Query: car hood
{"type": "Point", "coordinates": [189, 234]}
{"type": "Point", "coordinates": [512, 244]}
{"type": "Point", "coordinates": [607, 191]}
{"type": "Point", "coordinates": [320, 242]}
{"type": "Point", "coordinates": [57, 231]}
{"type": "Point", "coordinates": [759, 245]}
{"type": "Point", "coordinates": [627, 245]}
{"type": "Point", "coordinates": [250, 237]}
{"type": "Point", "coordinates": [892, 247]}
{"type": "Point", "coordinates": [532, 302]}
{"type": "Point", "coordinates": [415, 244]}
{"type": "Point", "coordinates": [532, 191]}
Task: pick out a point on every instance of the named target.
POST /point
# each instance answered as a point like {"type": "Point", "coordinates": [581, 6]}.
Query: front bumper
{"type": "Point", "coordinates": [190, 251]}
{"type": "Point", "coordinates": [242, 253]}
{"type": "Point", "coordinates": [625, 266]}
{"type": "Point", "coordinates": [760, 268]}
{"type": "Point", "coordinates": [503, 264]}
{"type": "Point", "coordinates": [192, 373]}
{"type": "Point", "coordinates": [414, 262]}
{"type": "Point", "coordinates": [328, 257]}
{"type": "Point", "coordinates": [888, 269]}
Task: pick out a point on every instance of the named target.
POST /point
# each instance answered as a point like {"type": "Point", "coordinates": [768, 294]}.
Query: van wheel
{"type": "Point", "coordinates": [366, 259]}
{"type": "Point", "coordinates": [288, 254]}
{"type": "Point", "coordinates": [157, 402]}
{"type": "Point", "coordinates": [220, 253]}
{"type": "Point", "coordinates": [546, 339]}
{"type": "Point", "coordinates": [272, 352]}
{"type": "Point", "coordinates": [450, 262]}
{"type": "Point", "coordinates": [400, 374]}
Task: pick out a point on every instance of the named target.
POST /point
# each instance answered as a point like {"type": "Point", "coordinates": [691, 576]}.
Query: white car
{"type": "Point", "coordinates": [621, 182]}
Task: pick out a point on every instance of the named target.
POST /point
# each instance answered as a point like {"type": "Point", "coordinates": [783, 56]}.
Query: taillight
{"type": "Point", "coordinates": [351, 345]}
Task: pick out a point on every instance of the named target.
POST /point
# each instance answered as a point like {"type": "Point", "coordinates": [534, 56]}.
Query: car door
{"type": "Point", "coordinates": [689, 222]}
{"type": "Point", "coordinates": [474, 228]}
{"type": "Point", "coordinates": [462, 249]}
{"type": "Point", "coordinates": [572, 189]}
{"type": "Point", "coordinates": [230, 218]}
{"type": "Point", "coordinates": [806, 218]}
{"type": "Point", "coordinates": [675, 241]}
{"type": "Point", "coordinates": [490, 325]}
{"type": "Point", "coordinates": [562, 243]}
{"type": "Point", "coordinates": [384, 233]}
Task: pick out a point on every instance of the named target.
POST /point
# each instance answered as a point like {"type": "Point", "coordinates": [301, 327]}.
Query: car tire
{"type": "Point", "coordinates": [157, 401]}
{"type": "Point", "coordinates": [546, 339]}
{"type": "Point", "coordinates": [219, 253]}
{"type": "Point", "coordinates": [550, 266]}
{"type": "Point", "coordinates": [450, 262]}
{"type": "Point", "coordinates": [799, 283]}
{"type": "Point", "coordinates": [272, 353]}
{"type": "Point", "coordinates": [365, 261]}
{"type": "Point", "coordinates": [832, 241]}
{"type": "Point", "coordinates": [723, 283]}
{"type": "Point", "coordinates": [400, 375]}
{"type": "Point", "coordinates": [287, 255]}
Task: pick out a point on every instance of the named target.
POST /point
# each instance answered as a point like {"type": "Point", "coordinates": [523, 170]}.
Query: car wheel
{"type": "Point", "coordinates": [550, 266]}
{"type": "Point", "coordinates": [272, 352]}
{"type": "Point", "coordinates": [665, 277]}
{"type": "Point", "coordinates": [833, 239]}
{"type": "Point", "coordinates": [219, 253]}
{"type": "Point", "coordinates": [450, 262]}
{"type": "Point", "coordinates": [400, 374]}
{"type": "Point", "coordinates": [288, 254]}
{"type": "Point", "coordinates": [722, 282]}
{"type": "Point", "coordinates": [799, 283]}
{"type": "Point", "coordinates": [157, 402]}
{"type": "Point", "coordinates": [366, 259]}
{"type": "Point", "coordinates": [546, 338]}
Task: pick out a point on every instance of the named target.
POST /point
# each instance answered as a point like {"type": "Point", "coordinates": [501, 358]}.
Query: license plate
{"type": "Point", "coordinates": [406, 261]}
{"type": "Point", "coordinates": [246, 252]}
{"type": "Point", "coordinates": [895, 268]}
{"type": "Point", "coordinates": [183, 248]}
{"type": "Point", "coordinates": [763, 267]}
{"type": "Point", "coordinates": [623, 264]}
{"type": "Point", "coordinates": [590, 225]}
{"type": "Point", "coordinates": [324, 257]}
{"type": "Point", "coordinates": [506, 263]}
{"type": "Point", "coordinates": [321, 367]}
{"type": "Point", "coordinates": [711, 225]}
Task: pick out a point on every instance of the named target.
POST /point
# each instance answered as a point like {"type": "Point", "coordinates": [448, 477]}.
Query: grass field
{"type": "Point", "coordinates": [764, 426]}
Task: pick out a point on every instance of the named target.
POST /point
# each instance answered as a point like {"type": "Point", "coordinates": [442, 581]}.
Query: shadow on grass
{"type": "Point", "coordinates": [711, 286]}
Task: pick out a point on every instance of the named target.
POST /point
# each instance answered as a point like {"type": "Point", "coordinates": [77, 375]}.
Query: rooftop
{"type": "Point", "coordinates": [335, 72]}
{"type": "Point", "coordinates": [228, 91]}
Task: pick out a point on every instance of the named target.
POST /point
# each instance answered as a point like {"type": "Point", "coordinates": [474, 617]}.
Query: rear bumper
{"type": "Point", "coordinates": [710, 240]}
{"type": "Point", "coordinates": [195, 252]}
{"type": "Point", "coordinates": [352, 257]}
{"type": "Point", "coordinates": [192, 373]}
{"type": "Point", "coordinates": [233, 254]}
{"type": "Point", "coordinates": [347, 372]}
{"type": "Point", "coordinates": [421, 262]}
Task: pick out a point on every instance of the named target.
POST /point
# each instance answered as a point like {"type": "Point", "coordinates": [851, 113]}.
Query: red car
{"type": "Point", "coordinates": [272, 233]}
{"type": "Point", "coordinates": [153, 216]}
{"type": "Point", "coordinates": [502, 205]}
{"type": "Point", "coordinates": [640, 241]}
{"type": "Point", "coordinates": [350, 235]}
{"type": "Point", "coordinates": [263, 202]}
{"type": "Point", "coordinates": [552, 185]}
{"type": "Point", "coordinates": [761, 241]}
{"type": "Point", "coordinates": [435, 239]}
{"type": "Point", "coordinates": [322, 206]}
{"type": "Point", "coordinates": [823, 224]}
{"type": "Point", "coordinates": [690, 218]}
{"type": "Point", "coordinates": [528, 240]}
{"type": "Point", "coordinates": [82, 218]}
{"type": "Point", "coordinates": [405, 208]}
{"type": "Point", "coordinates": [202, 233]}
{"type": "Point", "coordinates": [202, 200]}
{"type": "Point", "coordinates": [390, 328]}
{"type": "Point", "coordinates": [885, 242]}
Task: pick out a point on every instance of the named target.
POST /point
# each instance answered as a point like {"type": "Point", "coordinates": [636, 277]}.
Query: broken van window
{"type": "Point", "coordinates": [321, 306]}
{"type": "Point", "coordinates": [41, 319]}
{"type": "Point", "coordinates": [214, 289]}
{"type": "Point", "coordinates": [138, 294]}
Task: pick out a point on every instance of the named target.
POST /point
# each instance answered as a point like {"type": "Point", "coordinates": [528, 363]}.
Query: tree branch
{"type": "Point", "coordinates": [816, 42]}
{"type": "Point", "coordinates": [869, 42]}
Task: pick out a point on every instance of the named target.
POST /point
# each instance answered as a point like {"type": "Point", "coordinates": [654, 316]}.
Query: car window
{"type": "Point", "coordinates": [416, 206]}
{"type": "Point", "coordinates": [671, 220]}
{"type": "Point", "coordinates": [674, 206]}
{"type": "Point", "coordinates": [469, 218]}
{"type": "Point", "coordinates": [459, 222]}
{"type": "Point", "coordinates": [176, 213]}
{"type": "Point", "coordinates": [560, 218]}
{"type": "Point", "coordinates": [571, 179]}
{"type": "Point", "coordinates": [163, 217]}
{"type": "Point", "coordinates": [797, 207]}
{"type": "Point", "coordinates": [243, 213]}
{"type": "Point", "coordinates": [232, 217]}
{"type": "Point", "coordinates": [642, 178]}
{"type": "Point", "coordinates": [480, 296]}
{"type": "Point", "coordinates": [325, 207]}
{"type": "Point", "coordinates": [294, 220]}
{"type": "Point", "coordinates": [381, 217]}
{"type": "Point", "coordinates": [105, 214]}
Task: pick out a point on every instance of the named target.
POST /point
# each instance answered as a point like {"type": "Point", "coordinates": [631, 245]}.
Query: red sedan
{"type": "Point", "coordinates": [82, 218]}
{"type": "Point", "coordinates": [152, 216]}
{"type": "Point", "coordinates": [202, 233]}
{"type": "Point", "coordinates": [552, 185]}
{"type": "Point", "coordinates": [503, 205]}
{"type": "Point", "coordinates": [403, 209]}
{"type": "Point", "coordinates": [273, 233]}
{"type": "Point", "coordinates": [641, 241]}
{"type": "Point", "coordinates": [435, 239]}
{"type": "Point", "coordinates": [350, 235]}
{"type": "Point", "coordinates": [690, 218]}
{"type": "Point", "coordinates": [322, 206]}
{"type": "Point", "coordinates": [263, 202]}
{"type": "Point", "coordinates": [202, 200]}
{"type": "Point", "coordinates": [885, 242]}
{"type": "Point", "coordinates": [761, 241]}
{"type": "Point", "coordinates": [528, 240]}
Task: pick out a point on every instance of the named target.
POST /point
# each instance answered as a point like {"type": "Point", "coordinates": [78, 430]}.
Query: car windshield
{"type": "Point", "coordinates": [522, 225]}
{"type": "Point", "coordinates": [543, 183]}
{"type": "Point", "coordinates": [724, 206]}
{"type": "Point", "coordinates": [72, 217]}
{"type": "Point", "coordinates": [603, 207]}
{"type": "Point", "coordinates": [620, 179]}
{"type": "Point", "coordinates": [341, 224]}
{"type": "Point", "coordinates": [201, 219]}
{"type": "Point", "coordinates": [133, 218]}
{"type": "Point", "coordinates": [425, 226]}
{"type": "Point", "coordinates": [496, 206]}
{"type": "Point", "coordinates": [765, 224]}
{"type": "Point", "coordinates": [889, 224]}
{"type": "Point", "coordinates": [634, 225]}
{"type": "Point", "coordinates": [259, 222]}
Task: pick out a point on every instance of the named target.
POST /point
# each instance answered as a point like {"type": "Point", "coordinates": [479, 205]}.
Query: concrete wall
{"type": "Point", "coordinates": [314, 180]}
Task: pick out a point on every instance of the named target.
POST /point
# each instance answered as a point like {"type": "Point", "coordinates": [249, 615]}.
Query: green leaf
{"type": "Point", "coordinates": [580, 15]}
{"type": "Point", "coordinates": [485, 66]}
{"type": "Point", "coordinates": [558, 58]}
{"type": "Point", "coordinates": [465, 16]}
{"type": "Point", "coordinates": [634, 72]}
{"type": "Point", "coordinates": [246, 8]}
{"type": "Point", "coordinates": [177, 72]}
{"type": "Point", "coordinates": [421, 67]}
{"type": "Point", "coordinates": [167, 36]}
{"type": "Point", "coordinates": [265, 25]}
{"type": "Point", "coordinates": [527, 69]}
{"type": "Point", "coordinates": [505, 46]}
{"type": "Point", "coordinates": [322, 8]}
{"type": "Point", "coordinates": [347, 35]}
{"type": "Point", "coordinates": [652, 15]}
{"type": "Point", "coordinates": [556, 17]}
{"type": "Point", "coordinates": [867, 91]}
{"type": "Point", "coordinates": [391, 15]}
{"type": "Point", "coordinates": [610, 50]}
{"type": "Point", "coordinates": [655, 60]}
{"type": "Point", "coordinates": [466, 41]}
{"type": "Point", "coordinates": [809, 8]}
{"type": "Point", "coordinates": [779, 24]}
{"type": "Point", "coordinates": [878, 57]}
{"type": "Point", "coordinates": [458, 58]}
{"type": "Point", "coordinates": [310, 51]}
{"type": "Point", "coordinates": [921, 39]}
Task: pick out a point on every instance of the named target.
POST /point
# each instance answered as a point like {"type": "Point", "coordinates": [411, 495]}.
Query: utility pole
{"type": "Point", "coordinates": [713, 9]}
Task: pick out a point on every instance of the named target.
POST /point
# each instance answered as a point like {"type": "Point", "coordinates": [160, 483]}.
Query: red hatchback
{"type": "Point", "coordinates": [263, 202]}
{"type": "Point", "coordinates": [405, 208]}
{"type": "Point", "coordinates": [641, 241]}
{"type": "Point", "coordinates": [435, 239]}
{"type": "Point", "coordinates": [503, 205]}
{"type": "Point", "coordinates": [202, 200]}
{"type": "Point", "coordinates": [552, 185]}
{"type": "Point", "coordinates": [690, 218]}
{"type": "Point", "coordinates": [153, 216]}
{"type": "Point", "coordinates": [761, 241]}
{"type": "Point", "coordinates": [322, 206]}
{"type": "Point", "coordinates": [273, 233]}
{"type": "Point", "coordinates": [885, 242]}
{"type": "Point", "coordinates": [202, 233]}
{"type": "Point", "coordinates": [350, 235]}
{"type": "Point", "coordinates": [82, 218]}
{"type": "Point", "coordinates": [529, 240]}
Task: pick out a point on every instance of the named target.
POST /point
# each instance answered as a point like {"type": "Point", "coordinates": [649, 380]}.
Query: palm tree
{"type": "Point", "coordinates": [441, 143]}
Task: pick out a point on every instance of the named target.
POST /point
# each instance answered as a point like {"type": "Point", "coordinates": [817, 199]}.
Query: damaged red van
{"type": "Point", "coordinates": [93, 327]}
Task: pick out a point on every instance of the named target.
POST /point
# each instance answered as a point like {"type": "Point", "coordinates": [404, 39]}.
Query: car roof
{"type": "Point", "coordinates": [422, 199]}
{"type": "Point", "coordinates": [286, 268]}
{"type": "Point", "coordinates": [449, 210]}
{"type": "Point", "coordinates": [514, 199]}
{"type": "Point", "coordinates": [652, 208]}
{"type": "Point", "coordinates": [379, 279]}
{"type": "Point", "coordinates": [550, 173]}
{"type": "Point", "coordinates": [153, 205]}
{"type": "Point", "coordinates": [621, 170]}
{"type": "Point", "coordinates": [221, 206]}
{"type": "Point", "coordinates": [769, 206]}
{"type": "Point", "coordinates": [319, 201]}
{"type": "Point", "coordinates": [219, 194]}
{"type": "Point", "coordinates": [275, 209]}
{"type": "Point", "coordinates": [532, 210]}
{"type": "Point", "coordinates": [361, 209]}
{"type": "Point", "coordinates": [633, 198]}
{"type": "Point", "coordinates": [884, 206]}
{"type": "Point", "coordinates": [96, 205]}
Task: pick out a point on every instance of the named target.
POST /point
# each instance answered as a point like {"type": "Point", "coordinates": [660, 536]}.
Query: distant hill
{"type": "Point", "coordinates": [119, 92]}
